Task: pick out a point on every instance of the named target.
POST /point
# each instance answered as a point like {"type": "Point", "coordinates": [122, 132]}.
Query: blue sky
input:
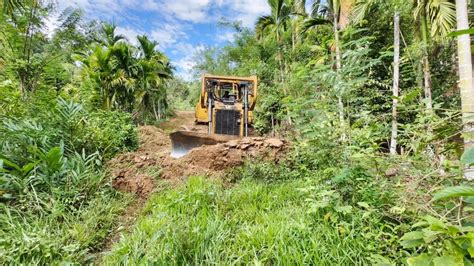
{"type": "Point", "coordinates": [181, 27]}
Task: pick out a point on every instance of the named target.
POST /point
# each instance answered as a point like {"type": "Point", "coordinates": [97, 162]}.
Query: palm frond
{"type": "Point", "coordinates": [442, 15]}
{"type": "Point", "coordinates": [313, 22]}
{"type": "Point", "coordinates": [263, 23]}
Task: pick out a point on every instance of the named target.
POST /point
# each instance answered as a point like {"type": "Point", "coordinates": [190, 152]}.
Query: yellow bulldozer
{"type": "Point", "coordinates": [226, 105]}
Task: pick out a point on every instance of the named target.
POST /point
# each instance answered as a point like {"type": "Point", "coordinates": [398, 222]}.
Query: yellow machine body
{"type": "Point", "coordinates": [219, 86]}
{"type": "Point", "coordinates": [226, 104]}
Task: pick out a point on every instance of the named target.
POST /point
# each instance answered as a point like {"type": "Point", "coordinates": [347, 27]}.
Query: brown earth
{"type": "Point", "coordinates": [137, 172]}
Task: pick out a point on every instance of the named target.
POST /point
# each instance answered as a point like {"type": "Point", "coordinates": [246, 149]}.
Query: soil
{"type": "Point", "coordinates": [137, 172]}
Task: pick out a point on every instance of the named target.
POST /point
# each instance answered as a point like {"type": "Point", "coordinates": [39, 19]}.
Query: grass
{"type": "Point", "coordinates": [60, 235]}
{"type": "Point", "coordinates": [253, 222]}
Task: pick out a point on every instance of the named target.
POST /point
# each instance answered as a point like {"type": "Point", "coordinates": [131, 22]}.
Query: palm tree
{"type": "Point", "coordinates": [154, 69]}
{"type": "Point", "coordinates": [436, 20]}
{"type": "Point", "coordinates": [109, 37]}
{"type": "Point", "coordinates": [276, 22]}
{"type": "Point", "coordinates": [298, 13]}
{"type": "Point", "coordinates": [8, 7]}
{"type": "Point", "coordinates": [466, 83]}
{"type": "Point", "coordinates": [396, 77]}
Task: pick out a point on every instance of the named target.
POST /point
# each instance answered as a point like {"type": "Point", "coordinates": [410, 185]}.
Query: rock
{"type": "Point", "coordinates": [246, 141]}
{"type": "Point", "coordinates": [391, 172]}
{"type": "Point", "coordinates": [232, 144]}
{"type": "Point", "coordinates": [245, 146]}
{"type": "Point", "coordinates": [275, 143]}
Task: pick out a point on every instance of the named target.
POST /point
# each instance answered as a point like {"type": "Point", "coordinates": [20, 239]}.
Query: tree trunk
{"type": "Point", "coordinates": [425, 61]}
{"type": "Point", "coordinates": [427, 82]}
{"type": "Point", "coordinates": [159, 110]}
{"type": "Point", "coordinates": [154, 110]}
{"type": "Point", "coordinates": [338, 70]}
{"type": "Point", "coordinates": [396, 76]}
{"type": "Point", "coordinates": [465, 81]}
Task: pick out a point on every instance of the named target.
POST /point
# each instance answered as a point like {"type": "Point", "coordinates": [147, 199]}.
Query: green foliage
{"type": "Point", "coordinates": [454, 192]}
{"type": "Point", "coordinates": [128, 78]}
{"type": "Point", "coordinates": [468, 157]}
{"type": "Point", "coordinates": [64, 235]}
{"type": "Point", "coordinates": [252, 222]}
{"type": "Point", "coordinates": [109, 132]}
{"type": "Point", "coordinates": [56, 204]}
{"type": "Point", "coordinates": [441, 243]}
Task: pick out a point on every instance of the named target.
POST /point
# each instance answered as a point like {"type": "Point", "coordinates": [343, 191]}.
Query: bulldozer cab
{"type": "Point", "coordinates": [226, 105]}
{"type": "Point", "coordinates": [227, 102]}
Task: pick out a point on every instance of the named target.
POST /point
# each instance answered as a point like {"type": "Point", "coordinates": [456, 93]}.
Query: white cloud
{"type": "Point", "coordinates": [99, 8]}
{"type": "Point", "coordinates": [226, 37]}
{"type": "Point", "coordinates": [186, 64]}
{"type": "Point", "coordinates": [129, 33]}
{"type": "Point", "coordinates": [167, 34]}
{"type": "Point", "coordinates": [51, 23]}
{"type": "Point", "coordinates": [249, 10]}
{"type": "Point", "coordinates": [182, 48]}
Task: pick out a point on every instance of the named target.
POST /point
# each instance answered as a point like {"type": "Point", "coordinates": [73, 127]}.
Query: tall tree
{"type": "Point", "coordinates": [396, 77]}
{"type": "Point", "coordinates": [276, 22]}
{"type": "Point", "coordinates": [466, 84]}
{"type": "Point", "coordinates": [436, 19]}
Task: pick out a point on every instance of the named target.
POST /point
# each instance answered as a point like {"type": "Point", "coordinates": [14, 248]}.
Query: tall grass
{"type": "Point", "coordinates": [56, 204]}
{"type": "Point", "coordinates": [251, 223]}
{"type": "Point", "coordinates": [61, 235]}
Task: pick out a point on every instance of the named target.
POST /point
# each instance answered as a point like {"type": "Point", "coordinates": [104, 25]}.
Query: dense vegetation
{"type": "Point", "coordinates": [350, 191]}
{"type": "Point", "coordinates": [68, 102]}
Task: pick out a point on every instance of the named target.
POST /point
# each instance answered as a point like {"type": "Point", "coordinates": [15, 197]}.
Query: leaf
{"type": "Point", "coordinates": [10, 164]}
{"type": "Point", "coordinates": [454, 192]}
{"type": "Point", "coordinates": [412, 239]}
{"type": "Point", "coordinates": [468, 156]}
{"type": "Point", "coordinates": [28, 167]}
{"type": "Point", "coordinates": [363, 205]}
{"type": "Point", "coordinates": [413, 235]}
{"type": "Point", "coordinates": [448, 260]}
{"type": "Point", "coordinates": [461, 32]}
{"type": "Point", "coordinates": [344, 209]}
{"type": "Point", "coordinates": [435, 223]}
{"type": "Point", "coordinates": [422, 260]}
{"type": "Point", "coordinates": [429, 235]}
{"type": "Point", "coordinates": [471, 251]}
{"type": "Point", "coordinates": [412, 95]}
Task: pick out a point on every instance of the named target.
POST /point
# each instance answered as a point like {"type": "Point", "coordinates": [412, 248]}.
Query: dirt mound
{"type": "Point", "coordinates": [213, 160]}
{"type": "Point", "coordinates": [152, 139]}
{"type": "Point", "coordinates": [133, 172]}
{"type": "Point", "coordinates": [136, 172]}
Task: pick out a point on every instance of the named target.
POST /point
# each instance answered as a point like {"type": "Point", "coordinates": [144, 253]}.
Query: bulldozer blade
{"type": "Point", "coordinates": [182, 142]}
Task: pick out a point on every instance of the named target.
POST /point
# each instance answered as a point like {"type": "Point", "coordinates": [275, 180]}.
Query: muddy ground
{"type": "Point", "coordinates": [138, 172]}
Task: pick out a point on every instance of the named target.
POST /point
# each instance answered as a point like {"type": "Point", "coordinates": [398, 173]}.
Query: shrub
{"type": "Point", "coordinates": [109, 132]}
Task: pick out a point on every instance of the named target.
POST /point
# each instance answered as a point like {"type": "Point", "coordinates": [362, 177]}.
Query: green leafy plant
{"type": "Point", "coordinates": [440, 242]}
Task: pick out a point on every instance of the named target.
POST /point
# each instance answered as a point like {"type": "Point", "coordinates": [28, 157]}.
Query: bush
{"type": "Point", "coordinates": [109, 132]}
{"type": "Point", "coordinates": [56, 204]}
